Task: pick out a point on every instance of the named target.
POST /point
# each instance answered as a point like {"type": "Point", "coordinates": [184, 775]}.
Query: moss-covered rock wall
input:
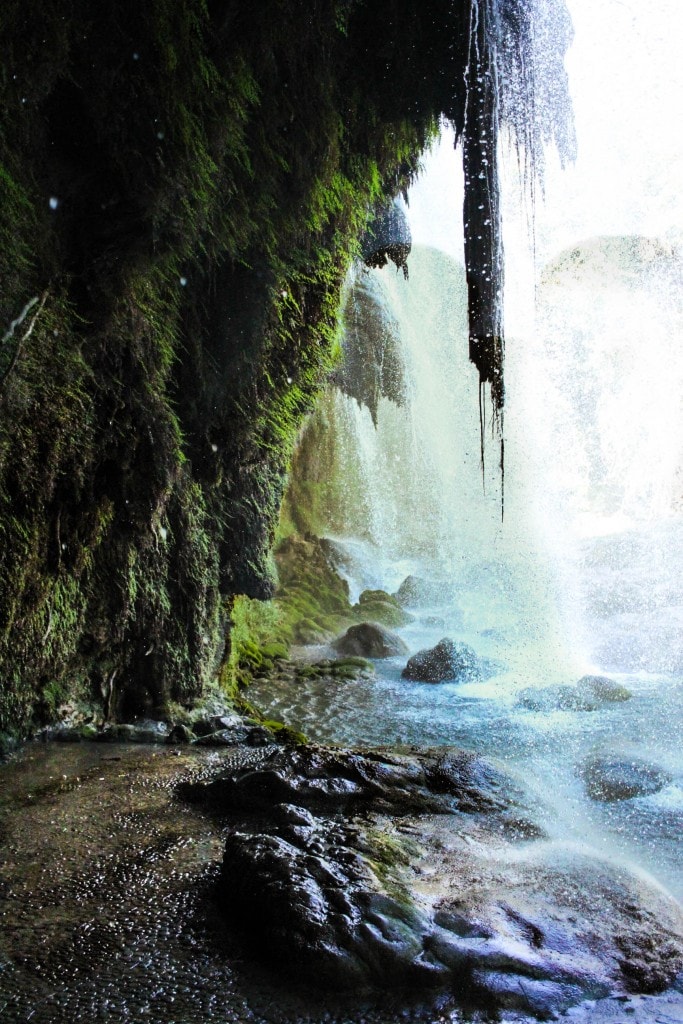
{"type": "Point", "coordinates": [182, 185]}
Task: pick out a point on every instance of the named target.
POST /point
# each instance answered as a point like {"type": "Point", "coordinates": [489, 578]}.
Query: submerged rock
{"type": "Point", "coordinates": [604, 689]}
{"type": "Point", "coordinates": [556, 698]}
{"type": "Point", "coordinates": [370, 640]}
{"type": "Point", "coordinates": [448, 660]}
{"type": "Point", "coordinates": [591, 693]}
{"type": "Point", "coordinates": [610, 779]}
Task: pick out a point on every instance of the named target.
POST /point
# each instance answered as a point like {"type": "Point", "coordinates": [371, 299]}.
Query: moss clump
{"type": "Point", "coordinates": [389, 855]}
{"type": "Point", "coordinates": [284, 733]}
{"type": "Point", "coordinates": [256, 643]}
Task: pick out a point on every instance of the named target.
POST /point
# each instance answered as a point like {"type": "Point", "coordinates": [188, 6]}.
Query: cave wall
{"type": "Point", "coordinates": [182, 187]}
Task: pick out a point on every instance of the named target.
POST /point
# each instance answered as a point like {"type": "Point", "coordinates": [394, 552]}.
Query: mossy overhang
{"type": "Point", "coordinates": [183, 187]}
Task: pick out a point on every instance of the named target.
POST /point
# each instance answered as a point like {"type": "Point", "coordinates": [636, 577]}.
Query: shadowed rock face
{"type": "Point", "coordinates": [388, 238]}
{"type": "Point", "coordinates": [360, 870]}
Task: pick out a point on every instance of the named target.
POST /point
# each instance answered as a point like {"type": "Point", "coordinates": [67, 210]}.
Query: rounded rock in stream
{"type": "Point", "coordinates": [448, 660]}
{"type": "Point", "coordinates": [608, 779]}
{"type": "Point", "coordinates": [604, 689]}
{"type": "Point", "coordinates": [370, 640]}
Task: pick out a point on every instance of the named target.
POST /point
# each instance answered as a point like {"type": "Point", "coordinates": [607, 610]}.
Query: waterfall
{"type": "Point", "coordinates": [585, 573]}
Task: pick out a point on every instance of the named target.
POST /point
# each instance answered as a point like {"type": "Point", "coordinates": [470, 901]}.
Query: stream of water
{"type": "Point", "coordinates": [583, 575]}
{"type": "Point", "coordinates": [585, 572]}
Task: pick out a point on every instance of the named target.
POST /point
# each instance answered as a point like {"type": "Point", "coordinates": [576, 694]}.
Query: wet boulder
{"type": "Point", "coordinates": [319, 873]}
{"type": "Point", "coordinates": [369, 640]}
{"type": "Point", "coordinates": [448, 660]}
{"type": "Point", "coordinates": [603, 689]}
{"type": "Point", "coordinates": [378, 606]}
{"type": "Point", "coordinates": [608, 779]}
{"type": "Point", "coordinates": [328, 782]}
{"type": "Point", "coordinates": [180, 734]}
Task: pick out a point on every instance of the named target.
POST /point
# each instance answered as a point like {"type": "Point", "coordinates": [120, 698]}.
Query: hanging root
{"type": "Point", "coordinates": [24, 337]}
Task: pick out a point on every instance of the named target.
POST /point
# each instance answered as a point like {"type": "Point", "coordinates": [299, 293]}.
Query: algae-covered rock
{"type": "Point", "coordinates": [379, 606]}
{"type": "Point", "coordinates": [312, 598]}
{"type": "Point", "coordinates": [449, 659]}
{"type": "Point", "coordinates": [370, 640]}
{"type": "Point", "coordinates": [604, 689]}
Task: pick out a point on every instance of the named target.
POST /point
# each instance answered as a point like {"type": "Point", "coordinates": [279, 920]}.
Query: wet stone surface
{"type": "Point", "coordinates": [111, 882]}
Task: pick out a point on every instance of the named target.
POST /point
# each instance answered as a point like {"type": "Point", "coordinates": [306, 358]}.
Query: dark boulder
{"type": "Point", "coordinates": [319, 873]}
{"type": "Point", "coordinates": [448, 660]}
{"type": "Point", "coordinates": [608, 779]}
{"type": "Point", "coordinates": [370, 640]}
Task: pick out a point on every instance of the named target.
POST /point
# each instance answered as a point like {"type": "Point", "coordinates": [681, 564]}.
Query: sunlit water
{"type": "Point", "coordinates": [583, 574]}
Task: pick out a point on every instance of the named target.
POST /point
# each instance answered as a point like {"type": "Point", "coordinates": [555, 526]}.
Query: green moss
{"type": "Point", "coordinates": [284, 733]}
{"type": "Point", "coordinates": [312, 598]}
{"type": "Point", "coordinates": [385, 612]}
{"type": "Point", "coordinates": [389, 856]}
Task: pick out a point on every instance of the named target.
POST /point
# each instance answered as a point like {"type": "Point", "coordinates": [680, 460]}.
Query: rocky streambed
{"type": "Point", "coordinates": [263, 882]}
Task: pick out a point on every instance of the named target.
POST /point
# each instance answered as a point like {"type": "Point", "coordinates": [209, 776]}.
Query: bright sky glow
{"type": "Point", "coordinates": [626, 81]}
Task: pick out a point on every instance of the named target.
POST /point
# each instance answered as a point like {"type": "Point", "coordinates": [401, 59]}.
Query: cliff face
{"type": "Point", "coordinates": [182, 186]}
